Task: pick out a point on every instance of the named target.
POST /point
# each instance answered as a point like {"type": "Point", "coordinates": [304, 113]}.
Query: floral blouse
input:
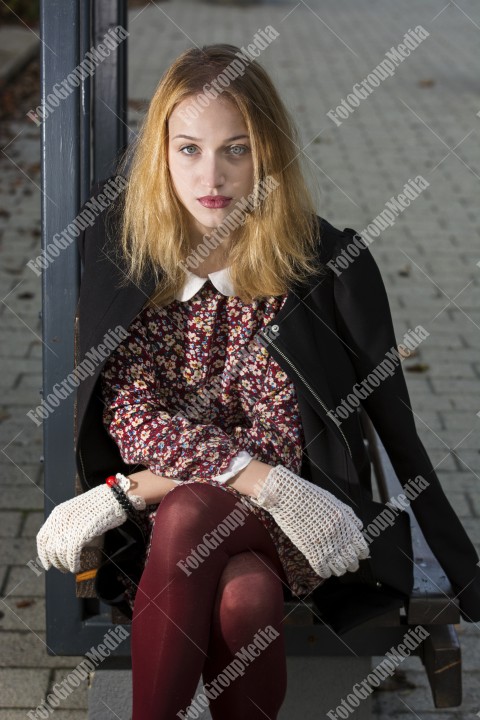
{"type": "Point", "coordinates": [190, 394]}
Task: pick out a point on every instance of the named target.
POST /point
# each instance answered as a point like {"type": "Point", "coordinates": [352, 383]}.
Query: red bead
{"type": "Point", "coordinates": [111, 480]}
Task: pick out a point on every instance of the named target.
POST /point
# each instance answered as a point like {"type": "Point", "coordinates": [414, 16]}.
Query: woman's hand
{"type": "Point", "coordinates": [73, 523]}
{"type": "Point", "coordinates": [323, 528]}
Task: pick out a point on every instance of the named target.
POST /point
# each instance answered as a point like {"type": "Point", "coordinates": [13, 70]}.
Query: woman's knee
{"type": "Point", "coordinates": [250, 587]}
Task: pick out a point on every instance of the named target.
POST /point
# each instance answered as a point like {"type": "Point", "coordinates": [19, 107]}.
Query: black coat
{"type": "Point", "coordinates": [330, 334]}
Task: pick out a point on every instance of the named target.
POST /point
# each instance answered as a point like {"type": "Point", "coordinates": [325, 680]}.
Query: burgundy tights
{"type": "Point", "coordinates": [189, 622]}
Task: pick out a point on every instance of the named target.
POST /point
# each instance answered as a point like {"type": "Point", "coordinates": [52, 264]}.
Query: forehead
{"type": "Point", "coordinates": [189, 113]}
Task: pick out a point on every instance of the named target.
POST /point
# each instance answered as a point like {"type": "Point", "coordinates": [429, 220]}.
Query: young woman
{"type": "Point", "coordinates": [211, 429]}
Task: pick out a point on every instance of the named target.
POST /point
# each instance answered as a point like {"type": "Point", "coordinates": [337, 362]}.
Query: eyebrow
{"type": "Point", "coordinates": [189, 137]}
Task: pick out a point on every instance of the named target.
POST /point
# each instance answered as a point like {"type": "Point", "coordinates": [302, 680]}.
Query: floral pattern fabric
{"type": "Point", "coordinates": [190, 386]}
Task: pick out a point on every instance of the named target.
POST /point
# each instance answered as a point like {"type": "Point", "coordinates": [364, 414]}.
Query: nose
{"type": "Point", "coordinates": [212, 172]}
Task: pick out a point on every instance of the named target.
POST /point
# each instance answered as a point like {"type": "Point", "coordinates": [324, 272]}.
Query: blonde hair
{"type": "Point", "coordinates": [275, 245]}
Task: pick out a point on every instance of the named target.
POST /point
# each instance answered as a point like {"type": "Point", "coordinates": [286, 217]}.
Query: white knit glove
{"type": "Point", "coordinates": [74, 523]}
{"type": "Point", "coordinates": [323, 528]}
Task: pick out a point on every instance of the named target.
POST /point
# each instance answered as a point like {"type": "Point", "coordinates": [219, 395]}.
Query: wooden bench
{"type": "Point", "coordinates": [337, 660]}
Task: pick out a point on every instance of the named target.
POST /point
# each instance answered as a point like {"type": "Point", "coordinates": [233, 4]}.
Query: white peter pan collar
{"type": "Point", "coordinates": [221, 279]}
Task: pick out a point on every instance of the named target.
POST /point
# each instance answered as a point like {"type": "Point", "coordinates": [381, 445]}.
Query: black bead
{"type": "Point", "coordinates": [124, 501]}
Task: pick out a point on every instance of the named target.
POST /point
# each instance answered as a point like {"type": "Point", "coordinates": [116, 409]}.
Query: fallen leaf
{"type": "Point", "coordinates": [24, 603]}
{"type": "Point", "coordinates": [418, 367]}
{"type": "Point", "coordinates": [405, 271]}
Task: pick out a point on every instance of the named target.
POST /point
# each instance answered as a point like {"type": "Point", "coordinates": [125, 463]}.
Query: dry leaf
{"type": "Point", "coordinates": [24, 603]}
{"type": "Point", "coordinates": [418, 367]}
{"type": "Point", "coordinates": [405, 271]}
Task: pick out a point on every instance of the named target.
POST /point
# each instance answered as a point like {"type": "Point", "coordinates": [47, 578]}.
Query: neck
{"type": "Point", "coordinates": [217, 259]}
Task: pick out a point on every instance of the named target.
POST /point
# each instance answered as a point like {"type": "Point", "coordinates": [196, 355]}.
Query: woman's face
{"type": "Point", "coordinates": [210, 155]}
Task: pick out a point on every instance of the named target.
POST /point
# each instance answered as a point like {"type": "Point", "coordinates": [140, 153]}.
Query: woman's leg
{"type": "Point", "coordinates": [247, 649]}
{"type": "Point", "coordinates": [198, 528]}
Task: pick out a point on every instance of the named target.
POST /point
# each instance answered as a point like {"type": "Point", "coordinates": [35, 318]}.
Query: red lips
{"type": "Point", "coordinates": [214, 201]}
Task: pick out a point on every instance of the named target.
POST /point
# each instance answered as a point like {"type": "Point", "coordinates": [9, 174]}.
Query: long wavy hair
{"type": "Point", "coordinates": [275, 244]}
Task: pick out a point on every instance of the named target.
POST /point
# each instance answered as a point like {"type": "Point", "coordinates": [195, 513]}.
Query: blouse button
{"type": "Point", "coordinates": [275, 328]}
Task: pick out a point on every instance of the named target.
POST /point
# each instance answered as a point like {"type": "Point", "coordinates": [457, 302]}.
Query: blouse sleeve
{"type": "Point", "coordinates": [146, 433]}
{"type": "Point", "coordinates": [274, 434]}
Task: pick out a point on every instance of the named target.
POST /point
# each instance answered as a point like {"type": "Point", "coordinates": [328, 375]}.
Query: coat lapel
{"type": "Point", "coordinates": [294, 350]}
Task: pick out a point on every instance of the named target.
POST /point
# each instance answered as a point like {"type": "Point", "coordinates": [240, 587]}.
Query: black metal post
{"type": "Point", "coordinates": [110, 91]}
{"type": "Point", "coordinates": [78, 147]}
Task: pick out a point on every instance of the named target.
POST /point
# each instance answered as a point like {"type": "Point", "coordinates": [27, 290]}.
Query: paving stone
{"type": "Point", "coordinates": [23, 688]}
{"type": "Point", "coordinates": [472, 527]}
{"type": "Point", "coordinates": [452, 386]}
{"type": "Point", "coordinates": [23, 612]}
{"type": "Point", "coordinates": [460, 418]}
{"type": "Point", "coordinates": [29, 649]}
{"type": "Point", "coordinates": [11, 474]}
{"type": "Point", "coordinates": [18, 46]}
{"type": "Point", "coordinates": [24, 581]}
{"type": "Point", "coordinates": [28, 497]}
{"type": "Point", "coordinates": [10, 523]}
{"type": "Point", "coordinates": [442, 460]}
{"type": "Point", "coordinates": [14, 342]}
{"type": "Point", "coordinates": [474, 499]}
{"type": "Point", "coordinates": [4, 572]}
{"type": "Point", "coordinates": [430, 420]}
{"type": "Point", "coordinates": [33, 523]}
{"type": "Point", "coordinates": [30, 381]}
{"type": "Point", "coordinates": [428, 401]}
{"type": "Point", "coordinates": [468, 459]}
{"type": "Point", "coordinates": [58, 714]}
{"type": "Point", "coordinates": [79, 697]}
{"type": "Point", "coordinates": [455, 482]}
{"type": "Point", "coordinates": [17, 550]}
{"type": "Point", "coordinates": [436, 355]}
{"type": "Point", "coordinates": [23, 365]}
{"type": "Point", "coordinates": [35, 349]}
{"type": "Point", "coordinates": [466, 402]}
{"type": "Point", "coordinates": [460, 504]}
{"type": "Point", "coordinates": [27, 398]}
{"type": "Point", "coordinates": [458, 370]}
{"type": "Point", "coordinates": [454, 438]}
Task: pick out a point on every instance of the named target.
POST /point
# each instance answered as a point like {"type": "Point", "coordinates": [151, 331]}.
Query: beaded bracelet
{"type": "Point", "coordinates": [122, 497]}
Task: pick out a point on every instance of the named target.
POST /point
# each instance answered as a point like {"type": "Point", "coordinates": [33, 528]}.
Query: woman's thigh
{"type": "Point", "coordinates": [205, 520]}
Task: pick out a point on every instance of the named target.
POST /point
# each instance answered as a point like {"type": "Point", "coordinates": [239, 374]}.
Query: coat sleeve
{"type": "Point", "coordinates": [365, 323]}
{"type": "Point", "coordinates": [167, 443]}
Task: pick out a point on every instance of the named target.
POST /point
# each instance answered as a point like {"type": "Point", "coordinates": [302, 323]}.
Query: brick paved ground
{"type": "Point", "coordinates": [422, 121]}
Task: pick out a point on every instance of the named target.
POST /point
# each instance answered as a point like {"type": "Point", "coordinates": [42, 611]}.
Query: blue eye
{"type": "Point", "coordinates": [244, 148]}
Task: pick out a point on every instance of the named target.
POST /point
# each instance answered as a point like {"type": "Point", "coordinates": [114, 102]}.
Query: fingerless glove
{"type": "Point", "coordinates": [322, 527]}
{"type": "Point", "coordinates": [73, 523]}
